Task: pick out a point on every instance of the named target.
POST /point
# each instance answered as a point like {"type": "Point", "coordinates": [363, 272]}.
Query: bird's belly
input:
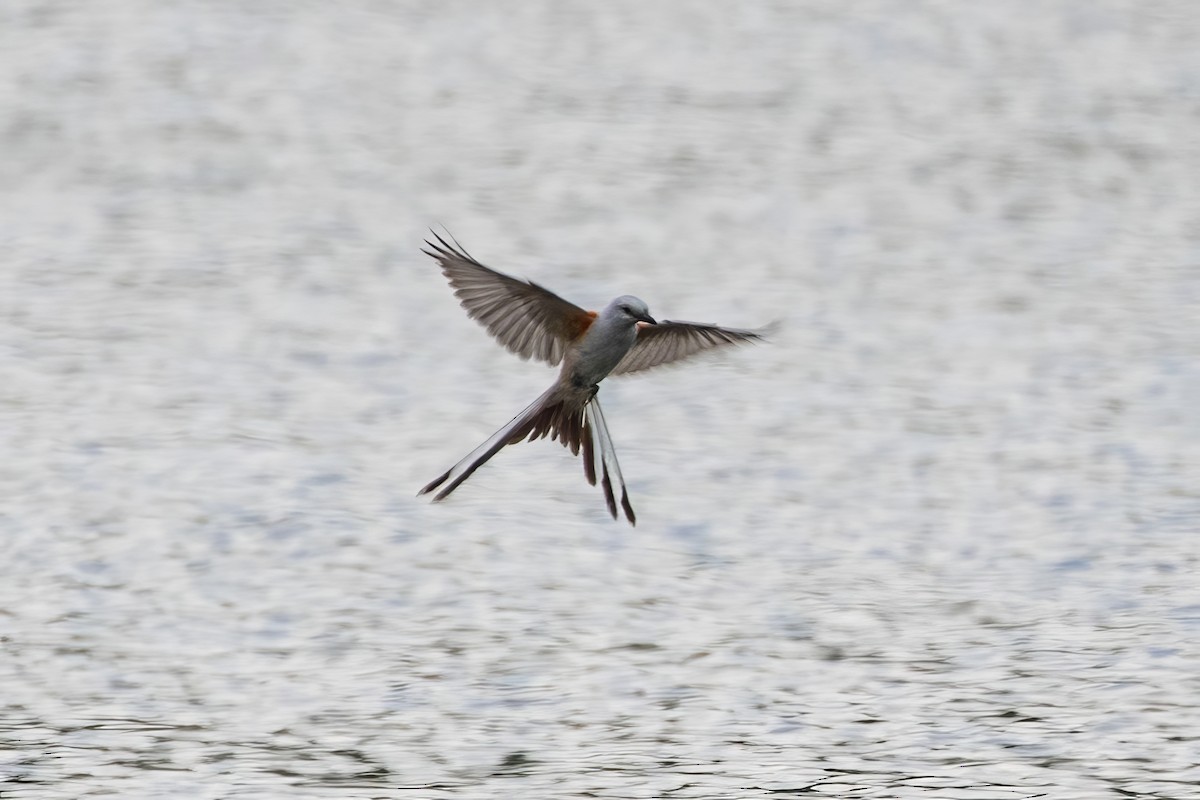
{"type": "Point", "coordinates": [591, 372]}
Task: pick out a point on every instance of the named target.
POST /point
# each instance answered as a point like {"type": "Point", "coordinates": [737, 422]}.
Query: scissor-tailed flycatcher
{"type": "Point", "coordinates": [533, 322]}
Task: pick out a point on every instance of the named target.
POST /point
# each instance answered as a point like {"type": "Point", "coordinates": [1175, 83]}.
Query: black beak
{"type": "Point", "coordinates": [647, 318]}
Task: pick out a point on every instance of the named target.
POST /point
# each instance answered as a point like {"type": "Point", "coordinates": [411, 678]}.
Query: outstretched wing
{"type": "Point", "coordinates": [670, 341]}
{"type": "Point", "coordinates": [529, 320]}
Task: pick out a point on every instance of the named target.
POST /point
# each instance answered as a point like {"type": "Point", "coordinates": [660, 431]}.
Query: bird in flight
{"type": "Point", "coordinates": [533, 322]}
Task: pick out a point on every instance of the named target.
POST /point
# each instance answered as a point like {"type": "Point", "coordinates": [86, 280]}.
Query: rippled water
{"type": "Point", "coordinates": [939, 539]}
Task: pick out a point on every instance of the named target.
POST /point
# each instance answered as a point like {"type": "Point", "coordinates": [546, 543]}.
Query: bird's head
{"type": "Point", "coordinates": [633, 308]}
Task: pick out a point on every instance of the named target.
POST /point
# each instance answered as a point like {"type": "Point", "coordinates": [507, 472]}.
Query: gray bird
{"type": "Point", "coordinates": [533, 322]}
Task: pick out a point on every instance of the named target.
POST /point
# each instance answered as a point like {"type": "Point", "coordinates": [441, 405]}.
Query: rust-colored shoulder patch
{"type": "Point", "coordinates": [581, 323]}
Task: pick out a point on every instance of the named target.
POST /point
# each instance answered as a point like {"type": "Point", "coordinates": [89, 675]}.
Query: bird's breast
{"type": "Point", "coordinates": [601, 350]}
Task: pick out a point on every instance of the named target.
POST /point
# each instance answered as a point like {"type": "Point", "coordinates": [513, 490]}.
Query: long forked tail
{"type": "Point", "coordinates": [578, 426]}
{"type": "Point", "coordinates": [600, 457]}
{"type": "Point", "coordinates": [517, 429]}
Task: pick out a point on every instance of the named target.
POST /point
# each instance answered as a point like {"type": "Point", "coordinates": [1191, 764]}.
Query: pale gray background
{"type": "Point", "coordinates": [938, 540]}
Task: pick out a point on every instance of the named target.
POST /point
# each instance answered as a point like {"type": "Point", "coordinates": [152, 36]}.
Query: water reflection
{"type": "Point", "coordinates": [934, 541]}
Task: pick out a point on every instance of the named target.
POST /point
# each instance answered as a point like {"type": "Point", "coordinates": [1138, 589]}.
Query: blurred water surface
{"type": "Point", "coordinates": [939, 539]}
